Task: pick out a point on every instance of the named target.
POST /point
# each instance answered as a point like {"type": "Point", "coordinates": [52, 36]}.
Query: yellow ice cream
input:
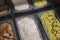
{"type": "Point", "coordinates": [40, 2]}
{"type": "Point", "coordinates": [51, 24]}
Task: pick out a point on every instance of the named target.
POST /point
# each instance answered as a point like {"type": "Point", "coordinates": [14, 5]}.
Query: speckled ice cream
{"type": "Point", "coordinates": [28, 29]}
{"type": "Point", "coordinates": [20, 4]}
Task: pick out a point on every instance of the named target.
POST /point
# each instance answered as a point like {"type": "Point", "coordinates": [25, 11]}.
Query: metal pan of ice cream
{"type": "Point", "coordinates": [40, 3]}
{"type": "Point", "coordinates": [51, 24]}
{"type": "Point", "coordinates": [21, 5]}
{"type": "Point", "coordinates": [28, 28]}
{"type": "Point", "coordinates": [4, 8]}
{"type": "Point", "coordinates": [7, 31]}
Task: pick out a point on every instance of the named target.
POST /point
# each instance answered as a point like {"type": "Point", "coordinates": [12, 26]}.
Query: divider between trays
{"type": "Point", "coordinates": [16, 29]}
{"type": "Point", "coordinates": [16, 14]}
{"type": "Point", "coordinates": [13, 18]}
{"type": "Point", "coordinates": [44, 35]}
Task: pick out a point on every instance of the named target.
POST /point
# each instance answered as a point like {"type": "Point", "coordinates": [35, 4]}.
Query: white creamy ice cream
{"type": "Point", "coordinates": [20, 4]}
{"type": "Point", "coordinates": [28, 29]}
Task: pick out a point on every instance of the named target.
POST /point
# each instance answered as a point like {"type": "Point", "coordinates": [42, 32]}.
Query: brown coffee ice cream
{"type": "Point", "coordinates": [6, 32]}
{"type": "Point", "coordinates": [3, 9]}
